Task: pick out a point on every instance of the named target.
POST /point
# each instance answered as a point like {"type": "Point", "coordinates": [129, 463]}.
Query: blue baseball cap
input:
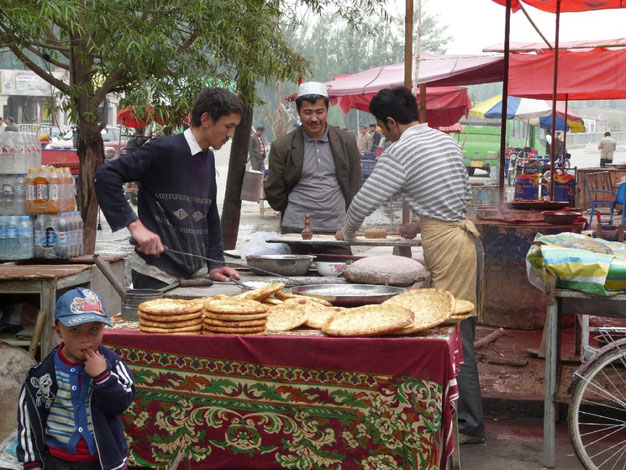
{"type": "Point", "coordinates": [78, 306]}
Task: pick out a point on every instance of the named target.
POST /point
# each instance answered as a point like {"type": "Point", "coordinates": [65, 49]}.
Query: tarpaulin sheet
{"type": "Point", "coordinates": [592, 75]}
{"type": "Point", "coordinates": [567, 5]}
{"type": "Point", "coordinates": [444, 105]}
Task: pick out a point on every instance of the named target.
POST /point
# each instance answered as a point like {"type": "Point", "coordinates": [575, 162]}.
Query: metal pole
{"type": "Point", "coordinates": [408, 81]}
{"type": "Point", "coordinates": [505, 96]}
{"type": "Point", "coordinates": [565, 128]}
{"type": "Point", "coordinates": [554, 84]}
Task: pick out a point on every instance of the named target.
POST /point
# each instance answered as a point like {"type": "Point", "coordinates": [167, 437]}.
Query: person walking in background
{"type": "Point", "coordinates": [257, 150]}
{"type": "Point", "coordinates": [606, 146]}
{"type": "Point", "coordinates": [3, 124]}
{"type": "Point", "coordinates": [10, 125]}
{"type": "Point", "coordinates": [365, 140]}
{"type": "Point", "coordinates": [376, 136]}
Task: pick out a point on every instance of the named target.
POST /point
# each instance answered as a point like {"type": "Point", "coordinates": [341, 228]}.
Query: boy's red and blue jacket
{"type": "Point", "coordinates": [112, 393]}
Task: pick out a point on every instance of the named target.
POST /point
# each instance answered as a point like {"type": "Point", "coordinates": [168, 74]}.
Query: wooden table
{"type": "Point", "coordinates": [47, 281]}
{"type": "Point", "coordinates": [616, 306]}
{"type": "Point", "coordinates": [404, 245]}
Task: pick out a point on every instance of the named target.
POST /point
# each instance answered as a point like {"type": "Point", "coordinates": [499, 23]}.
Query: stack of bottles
{"type": "Point", "coordinates": [59, 235]}
{"type": "Point", "coordinates": [58, 227]}
{"type": "Point", "coordinates": [18, 152]}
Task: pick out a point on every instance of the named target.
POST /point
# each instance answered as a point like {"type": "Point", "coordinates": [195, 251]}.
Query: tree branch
{"type": "Point", "coordinates": [112, 81]}
{"type": "Point", "coordinates": [48, 77]}
{"type": "Point", "coordinates": [47, 58]}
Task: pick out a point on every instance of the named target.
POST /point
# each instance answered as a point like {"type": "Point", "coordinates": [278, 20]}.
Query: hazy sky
{"type": "Point", "coordinates": [474, 24]}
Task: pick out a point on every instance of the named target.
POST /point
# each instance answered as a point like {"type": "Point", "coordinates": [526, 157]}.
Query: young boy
{"type": "Point", "coordinates": [70, 406]}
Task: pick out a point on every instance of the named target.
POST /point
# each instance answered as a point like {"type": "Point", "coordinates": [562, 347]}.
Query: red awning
{"type": "Point", "coordinates": [444, 105]}
{"type": "Point", "coordinates": [567, 5]}
{"type": "Point", "coordinates": [589, 75]}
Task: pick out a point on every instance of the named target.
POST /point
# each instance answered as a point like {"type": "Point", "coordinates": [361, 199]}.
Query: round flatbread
{"type": "Point", "coordinates": [258, 333]}
{"type": "Point", "coordinates": [236, 306]}
{"type": "Point", "coordinates": [234, 317]}
{"type": "Point", "coordinates": [287, 295]}
{"type": "Point", "coordinates": [261, 292]}
{"type": "Point", "coordinates": [462, 306]}
{"type": "Point", "coordinates": [169, 306]}
{"type": "Point", "coordinates": [458, 318]}
{"type": "Point", "coordinates": [287, 316]}
{"type": "Point", "coordinates": [431, 307]}
{"type": "Point", "coordinates": [169, 324]}
{"type": "Point", "coordinates": [151, 329]}
{"type": "Point", "coordinates": [368, 320]}
{"type": "Point", "coordinates": [319, 316]}
{"type": "Point", "coordinates": [225, 329]}
{"type": "Point", "coordinates": [169, 318]}
{"type": "Point", "coordinates": [234, 324]}
{"type": "Point", "coordinates": [271, 301]}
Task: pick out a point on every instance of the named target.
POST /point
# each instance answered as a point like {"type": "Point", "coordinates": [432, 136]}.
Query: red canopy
{"type": "Point", "coordinates": [444, 105]}
{"type": "Point", "coordinates": [566, 5]}
{"type": "Point", "coordinates": [590, 75]}
{"type": "Point", "coordinates": [128, 117]}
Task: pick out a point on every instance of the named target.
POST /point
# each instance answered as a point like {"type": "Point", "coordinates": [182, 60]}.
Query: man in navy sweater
{"type": "Point", "coordinates": [177, 196]}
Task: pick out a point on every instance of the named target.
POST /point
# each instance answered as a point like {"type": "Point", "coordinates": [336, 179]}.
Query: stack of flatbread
{"type": "Point", "coordinates": [234, 316]}
{"type": "Point", "coordinates": [430, 307]}
{"type": "Point", "coordinates": [171, 316]}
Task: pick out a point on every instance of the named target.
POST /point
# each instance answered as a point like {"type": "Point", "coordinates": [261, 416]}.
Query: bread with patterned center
{"type": "Point", "coordinates": [431, 307]}
{"type": "Point", "coordinates": [287, 316]}
{"type": "Point", "coordinates": [261, 292]}
{"type": "Point", "coordinates": [319, 316]}
{"type": "Point", "coordinates": [169, 306]}
{"type": "Point", "coordinates": [368, 320]}
{"type": "Point", "coordinates": [288, 295]}
{"type": "Point", "coordinates": [236, 306]}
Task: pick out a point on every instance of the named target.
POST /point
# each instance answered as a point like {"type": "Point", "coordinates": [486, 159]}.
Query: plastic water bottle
{"type": "Point", "coordinates": [12, 241]}
{"type": "Point", "coordinates": [62, 245]}
{"type": "Point", "coordinates": [39, 239]}
{"type": "Point", "coordinates": [19, 196]}
{"type": "Point", "coordinates": [25, 236]}
{"type": "Point", "coordinates": [3, 237]}
{"type": "Point", "coordinates": [7, 195]}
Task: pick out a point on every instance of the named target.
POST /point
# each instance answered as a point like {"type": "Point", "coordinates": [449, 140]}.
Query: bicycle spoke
{"type": "Point", "coordinates": [619, 445]}
{"type": "Point", "coordinates": [605, 393]}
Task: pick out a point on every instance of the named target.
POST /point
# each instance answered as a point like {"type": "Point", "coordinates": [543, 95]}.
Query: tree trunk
{"type": "Point", "coordinates": [91, 156]}
{"type": "Point", "coordinates": [231, 211]}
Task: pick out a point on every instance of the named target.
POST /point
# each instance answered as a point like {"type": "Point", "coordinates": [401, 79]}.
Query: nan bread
{"type": "Point", "coordinates": [368, 320]}
{"type": "Point", "coordinates": [431, 307]}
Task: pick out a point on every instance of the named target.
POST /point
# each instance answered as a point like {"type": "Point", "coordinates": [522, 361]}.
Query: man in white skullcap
{"type": "Point", "coordinates": [314, 170]}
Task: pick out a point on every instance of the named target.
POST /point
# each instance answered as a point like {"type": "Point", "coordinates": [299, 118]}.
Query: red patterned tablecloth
{"type": "Point", "coordinates": [295, 400]}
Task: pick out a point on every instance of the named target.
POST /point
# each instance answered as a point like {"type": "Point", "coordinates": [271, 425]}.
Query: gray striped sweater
{"type": "Point", "coordinates": [426, 168]}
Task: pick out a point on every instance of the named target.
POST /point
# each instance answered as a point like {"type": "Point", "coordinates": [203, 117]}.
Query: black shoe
{"type": "Point", "coordinates": [465, 439]}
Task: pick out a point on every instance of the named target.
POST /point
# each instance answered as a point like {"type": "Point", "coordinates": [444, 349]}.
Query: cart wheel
{"type": "Point", "coordinates": [597, 412]}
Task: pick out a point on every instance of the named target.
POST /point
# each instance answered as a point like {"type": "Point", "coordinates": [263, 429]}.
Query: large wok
{"type": "Point", "coordinates": [348, 295]}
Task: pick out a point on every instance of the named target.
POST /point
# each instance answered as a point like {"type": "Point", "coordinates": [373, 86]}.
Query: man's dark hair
{"type": "Point", "coordinates": [398, 103]}
{"type": "Point", "coordinates": [311, 99]}
{"type": "Point", "coordinates": [373, 126]}
{"type": "Point", "coordinates": [217, 102]}
{"type": "Point", "coordinates": [607, 134]}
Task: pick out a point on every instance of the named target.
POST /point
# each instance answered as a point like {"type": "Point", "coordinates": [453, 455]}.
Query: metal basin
{"type": "Point", "coordinates": [348, 295]}
{"type": "Point", "coordinates": [560, 217]}
{"type": "Point", "coordinates": [283, 265]}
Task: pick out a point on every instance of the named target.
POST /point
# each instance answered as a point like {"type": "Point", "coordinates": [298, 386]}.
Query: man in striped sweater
{"type": "Point", "coordinates": [425, 166]}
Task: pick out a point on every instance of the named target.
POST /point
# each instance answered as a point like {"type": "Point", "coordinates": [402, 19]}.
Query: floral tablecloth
{"type": "Point", "coordinates": [294, 400]}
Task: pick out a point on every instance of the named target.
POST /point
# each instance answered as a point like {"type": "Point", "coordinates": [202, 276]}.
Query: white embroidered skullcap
{"type": "Point", "coordinates": [312, 88]}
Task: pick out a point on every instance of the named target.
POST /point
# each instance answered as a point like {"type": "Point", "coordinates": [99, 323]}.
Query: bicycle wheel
{"type": "Point", "coordinates": [597, 412]}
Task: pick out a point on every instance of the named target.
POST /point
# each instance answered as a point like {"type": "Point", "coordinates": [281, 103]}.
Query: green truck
{"type": "Point", "coordinates": [480, 141]}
